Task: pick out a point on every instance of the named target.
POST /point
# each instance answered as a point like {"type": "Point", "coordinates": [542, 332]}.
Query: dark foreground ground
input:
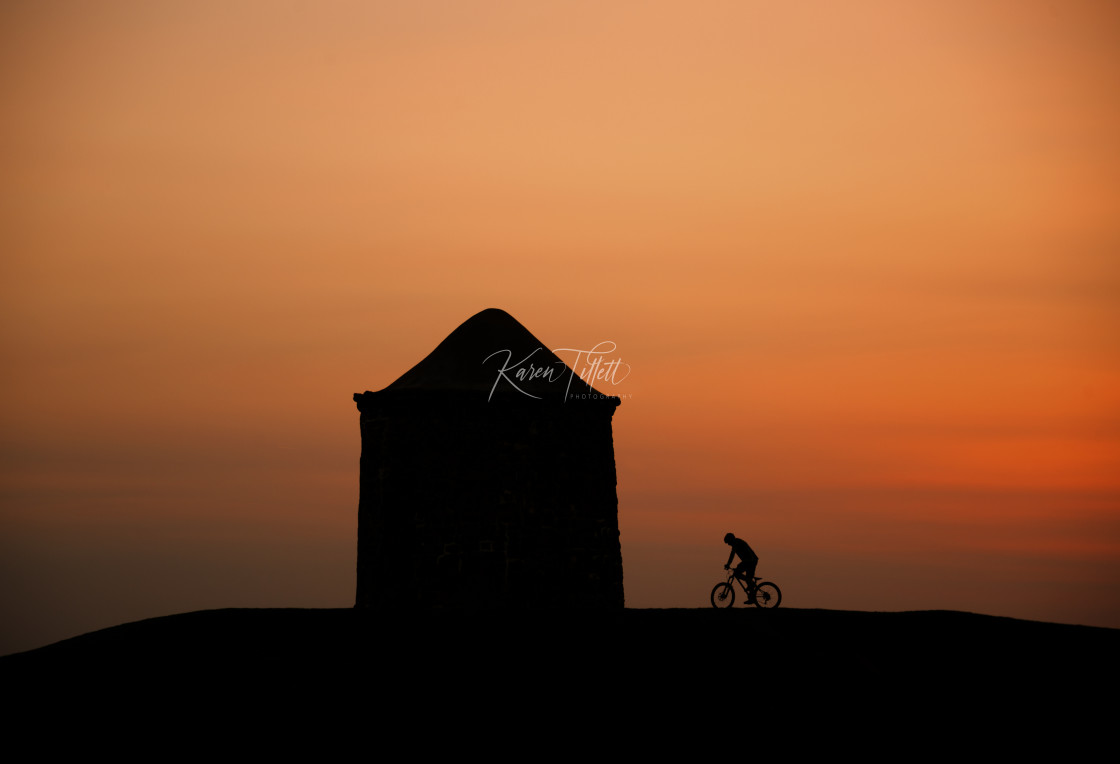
{"type": "Point", "coordinates": [648, 672]}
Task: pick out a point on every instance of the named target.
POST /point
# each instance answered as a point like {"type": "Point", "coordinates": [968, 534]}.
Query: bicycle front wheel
{"type": "Point", "coordinates": [723, 595]}
{"type": "Point", "coordinates": [767, 595]}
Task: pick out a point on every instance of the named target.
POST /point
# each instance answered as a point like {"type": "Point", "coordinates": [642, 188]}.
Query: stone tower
{"type": "Point", "coordinates": [488, 480]}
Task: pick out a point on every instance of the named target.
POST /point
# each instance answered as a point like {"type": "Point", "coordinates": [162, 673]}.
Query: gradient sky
{"type": "Point", "coordinates": [863, 259]}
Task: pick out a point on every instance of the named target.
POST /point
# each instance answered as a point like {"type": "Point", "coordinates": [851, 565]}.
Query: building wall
{"type": "Point", "coordinates": [507, 503]}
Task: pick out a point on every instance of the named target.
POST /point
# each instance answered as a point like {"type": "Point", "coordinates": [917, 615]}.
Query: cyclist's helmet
{"type": "Point", "coordinates": [729, 538]}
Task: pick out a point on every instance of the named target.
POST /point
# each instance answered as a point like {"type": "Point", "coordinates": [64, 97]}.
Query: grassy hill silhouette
{"type": "Point", "coordinates": [516, 684]}
{"type": "Point", "coordinates": [784, 651]}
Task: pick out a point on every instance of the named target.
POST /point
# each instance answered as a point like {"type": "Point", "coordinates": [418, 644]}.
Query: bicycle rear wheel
{"type": "Point", "coordinates": [723, 595]}
{"type": "Point", "coordinates": [767, 595]}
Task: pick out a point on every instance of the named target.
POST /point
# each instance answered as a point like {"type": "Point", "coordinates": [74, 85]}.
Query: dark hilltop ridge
{"type": "Point", "coordinates": [784, 653]}
{"type": "Point", "coordinates": [515, 683]}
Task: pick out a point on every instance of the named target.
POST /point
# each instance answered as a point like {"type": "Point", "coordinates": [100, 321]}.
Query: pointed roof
{"type": "Point", "coordinates": [493, 354]}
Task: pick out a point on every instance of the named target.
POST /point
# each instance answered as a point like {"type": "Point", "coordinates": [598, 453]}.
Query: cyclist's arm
{"type": "Point", "coordinates": [730, 557]}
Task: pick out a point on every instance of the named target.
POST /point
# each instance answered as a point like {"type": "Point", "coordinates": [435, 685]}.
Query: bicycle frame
{"type": "Point", "coordinates": [742, 582]}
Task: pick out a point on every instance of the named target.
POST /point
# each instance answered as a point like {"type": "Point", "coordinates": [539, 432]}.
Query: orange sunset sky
{"type": "Point", "coordinates": [862, 258]}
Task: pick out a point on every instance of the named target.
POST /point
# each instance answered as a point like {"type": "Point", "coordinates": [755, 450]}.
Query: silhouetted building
{"type": "Point", "coordinates": [488, 479]}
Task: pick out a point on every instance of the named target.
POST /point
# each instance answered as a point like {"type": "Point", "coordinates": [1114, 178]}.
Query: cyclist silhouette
{"type": "Point", "coordinates": [748, 561]}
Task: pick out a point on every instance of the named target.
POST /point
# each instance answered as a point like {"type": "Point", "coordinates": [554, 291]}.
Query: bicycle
{"type": "Point", "coordinates": [767, 595]}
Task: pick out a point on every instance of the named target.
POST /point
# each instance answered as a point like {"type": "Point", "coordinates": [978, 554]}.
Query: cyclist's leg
{"type": "Point", "coordinates": [748, 575]}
